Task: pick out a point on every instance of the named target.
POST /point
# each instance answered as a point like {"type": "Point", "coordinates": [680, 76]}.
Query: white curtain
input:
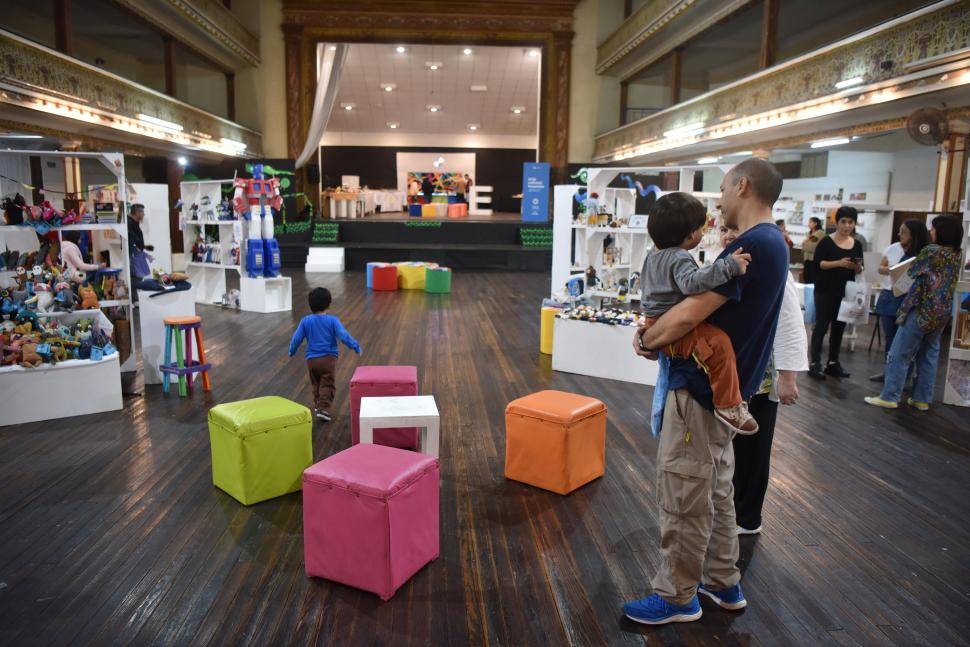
{"type": "Point", "coordinates": [330, 63]}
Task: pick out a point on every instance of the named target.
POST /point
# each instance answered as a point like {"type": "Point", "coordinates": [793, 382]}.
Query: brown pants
{"type": "Point", "coordinates": [711, 348]}
{"type": "Point", "coordinates": [322, 370]}
{"type": "Point", "coordinates": [698, 536]}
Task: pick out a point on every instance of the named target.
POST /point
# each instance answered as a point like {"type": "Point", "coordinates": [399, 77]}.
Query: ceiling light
{"type": "Point", "coordinates": [467, 51]}
{"type": "Point", "coordinates": [686, 131]}
{"type": "Point", "coordinates": [232, 143]}
{"type": "Point", "coordinates": [532, 53]}
{"type": "Point", "coordinates": [433, 108]}
{"type": "Point", "coordinates": [473, 126]}
{"type": "Point", "coordinates": [182, 161]}
{"type": "Point", "coordinates": [848, 83]}
{"type": "Point", "coordinates": [434, 66]}
{"type": "Point", "coordinates": [517, 110]}
{"type": "Point", "coordinates": [20, 136]}
{"type": "Point", "coordinates": [393, 125]}
{"type": "Point", "coordinates": [400, 49]}
{"type": "Point", "coordinates": [388, 87]}
{"type": "Point", "coordinates": [825, 143]}
{"type": "Point", "coordinates": [708, 160]}
{"type": "Point", "coordinates": [479, 88]}
{"type": "Point", "coordinates": [161, 123]}
{"type": "Point", "coordinates": [333, 48]}
{"type": "Point", "coordinates": [348, 106]}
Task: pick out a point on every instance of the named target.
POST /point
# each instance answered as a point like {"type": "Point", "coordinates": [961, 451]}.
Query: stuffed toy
{"type": "Point", "coordinates": [64, 297]}
{"type": "Point", "coordinates": [13, 210]}
{"type": "Point", "coordinates": [89, 298]}
{"type": "Point", "coordinates": [30, 358]}
{"type": "Point", "coordinates": [108, 288]}
{"type": "Point", "coordinates": [43, 297]}
{"type": "Point", "coordinates": [13, 351]}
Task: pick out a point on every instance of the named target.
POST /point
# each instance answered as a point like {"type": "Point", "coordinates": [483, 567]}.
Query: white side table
{"type": "Point", "coordinates": [404, 411]}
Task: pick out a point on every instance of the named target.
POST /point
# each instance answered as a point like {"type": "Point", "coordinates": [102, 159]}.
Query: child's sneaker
{"type": "Point", "coordinates": [320, 413]}
{"type": "Point", "coordinates": [739, 418]}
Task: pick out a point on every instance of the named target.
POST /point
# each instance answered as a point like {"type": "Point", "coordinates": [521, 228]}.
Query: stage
{"type": "Point", "coordinates": [493, 242]}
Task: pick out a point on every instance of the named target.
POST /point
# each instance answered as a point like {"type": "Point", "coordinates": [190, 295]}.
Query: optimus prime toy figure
{"type": "Point", "coordinates": [253, 200]}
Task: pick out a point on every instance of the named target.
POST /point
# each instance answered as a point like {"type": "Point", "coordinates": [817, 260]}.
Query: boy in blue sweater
{"type": "Point", "coordinates": [322, 332]}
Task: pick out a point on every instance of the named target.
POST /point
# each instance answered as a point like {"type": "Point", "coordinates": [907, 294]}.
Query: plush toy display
{"type": "Point", "coordinates": [89, 298]}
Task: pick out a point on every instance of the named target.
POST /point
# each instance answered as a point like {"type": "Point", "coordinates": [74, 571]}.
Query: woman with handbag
{"type": "Point", "coordinates": [923, 316]}
{"type": "Point", "coordinates": [838, 259]}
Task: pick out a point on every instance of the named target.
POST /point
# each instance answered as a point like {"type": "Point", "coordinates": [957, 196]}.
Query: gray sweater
{"type": "Point", "coordinates": [669, 275]}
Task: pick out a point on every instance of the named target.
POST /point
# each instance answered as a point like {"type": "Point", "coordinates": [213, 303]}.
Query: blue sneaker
{"type": "Point", "coordinates": [657, 611]}
{"type": "Point", "coordinates": [730, 598]}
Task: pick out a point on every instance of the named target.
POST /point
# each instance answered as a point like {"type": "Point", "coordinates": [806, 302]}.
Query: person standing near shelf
{"type": "Point", "coordinates": [460, 185]}
{"type": "Point", "coordinates": [922, 317]}
{"type": "Point", "coordinates": [140, 259]}
{"type": "Point", "coordinates": [780, 223]}
{"type": "Point", "coordinates": [839, 259]}
{"type": "Point", "coordinates": [913, 237]}
{"type": "Point", "coordinates": [71, 256]}
{"type": "Point", "coordinates": [815, 235]}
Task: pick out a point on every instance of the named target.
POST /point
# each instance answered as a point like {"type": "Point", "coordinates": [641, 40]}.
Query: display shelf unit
{"type": "Point", "coordinates": [956, 387]}
{"type": "Point", "coordinates": [612, 356]}
{"type": "Point", "coordinates": [211, 280]}
{"type": "Point", "coordinates": [95, 386]}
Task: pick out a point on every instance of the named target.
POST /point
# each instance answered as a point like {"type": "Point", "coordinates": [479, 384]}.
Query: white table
{"type": "Point", "coordinates": [152, 312]}
{"type": "Point", "coordinates": [404, 411]}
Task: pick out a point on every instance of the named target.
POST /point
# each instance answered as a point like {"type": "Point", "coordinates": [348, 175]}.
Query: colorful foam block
{"type": "Point", "coordinates": [410, 276]}
{"type": "Point", "coordinates": [377, 381]}
{"type": "Point", "coordinates": [260, 447]}
{"type": "Point", "coordinates": [370, 274]}
{"type": "Point", "coordinates": [437, 280]}
{"type": "Point", "coordinates": [455, 210]}
{"type": "Point", "coordinates": [384, 278]}
{"type": "Point", "coordinates": [547, 321]}
{"type": "Point", "coordinates": [428, 211]}
{"type": "Point", "coordinates": [370, 517]}
{"type": "Point", "coordinates": [555, 440]}
{"type": "Point", "coordinates": [441, 209]}
{"type": "Point", "coordinates": [414, 210]}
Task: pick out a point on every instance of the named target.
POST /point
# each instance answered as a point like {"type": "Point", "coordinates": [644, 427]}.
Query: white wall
{"type": "Point", "coordinates": [261, 92]}
{"type": "Point", "coordinates": [914, 175]}
{"type": "Point", "coordinates": [424, 163]}
{"type": "Point", "coordinates": [407, 139]}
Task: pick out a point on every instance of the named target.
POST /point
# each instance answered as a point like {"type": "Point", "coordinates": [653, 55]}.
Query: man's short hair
{"type": "Point", "coordinates": [674, 217]}
{"type": "Point", "coordinates": [763, 177]}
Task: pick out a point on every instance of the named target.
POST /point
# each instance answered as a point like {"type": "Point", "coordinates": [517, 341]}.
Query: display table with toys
{"type": "Point", "coordinates": [599, 350]}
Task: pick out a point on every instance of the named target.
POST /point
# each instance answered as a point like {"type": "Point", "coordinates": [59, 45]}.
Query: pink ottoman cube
{"type": "Point", "coordinates": [370, 517]}
{"type": "Point", "coordinates": [382, 381]}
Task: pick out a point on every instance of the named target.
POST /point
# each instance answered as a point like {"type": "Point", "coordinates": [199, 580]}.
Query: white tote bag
{"type": "Point", "coordinates": [854, 308]}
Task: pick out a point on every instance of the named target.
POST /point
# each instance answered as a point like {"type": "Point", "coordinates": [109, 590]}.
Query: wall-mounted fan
{"type": "Point", "coordinates": [928, 126]}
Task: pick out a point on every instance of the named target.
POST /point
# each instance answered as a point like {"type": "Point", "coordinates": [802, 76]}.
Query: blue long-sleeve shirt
{"type": "Point", "coordinates": [322, 332]}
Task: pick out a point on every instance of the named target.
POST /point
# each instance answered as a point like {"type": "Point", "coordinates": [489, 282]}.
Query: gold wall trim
{"type": "Point", "coordinates": [809, 79]}
{"type": "Point", "coordinates": [644, 23]}
{"type": "Point", "coordinates": [35, 77]}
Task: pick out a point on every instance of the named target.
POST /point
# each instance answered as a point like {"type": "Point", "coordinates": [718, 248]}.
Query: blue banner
{"type": "Point", "coordinates": [535, 192]}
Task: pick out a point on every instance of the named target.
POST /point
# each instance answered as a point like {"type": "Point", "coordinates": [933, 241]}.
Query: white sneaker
{"type": "Point", "coordinates": [738, 418]}
{"type": "Point", "coordinates": [749, 531]}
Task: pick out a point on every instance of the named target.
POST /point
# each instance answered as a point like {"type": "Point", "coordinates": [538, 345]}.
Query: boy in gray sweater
{"type": "Point", "coordinates": [669, 275]}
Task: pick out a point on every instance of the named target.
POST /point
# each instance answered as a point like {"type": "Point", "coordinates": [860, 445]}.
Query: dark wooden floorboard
{"type": "Point", "coordinates": [112, 533]}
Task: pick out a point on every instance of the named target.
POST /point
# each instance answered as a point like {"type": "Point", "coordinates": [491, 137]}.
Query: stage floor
{"type": "Point", "coordinates": [400, 216]}
{"type": "Point", "coordinates": [111, 531]}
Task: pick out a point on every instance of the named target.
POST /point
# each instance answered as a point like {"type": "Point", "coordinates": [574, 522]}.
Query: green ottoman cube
{"type": "Point", "coordinates": [260, 447]}
{"type": "Point", "coordinates": [437, 280]}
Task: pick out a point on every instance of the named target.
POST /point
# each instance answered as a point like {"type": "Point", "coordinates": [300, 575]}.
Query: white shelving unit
{"type": "Point", "coordinates": [210, 280]}
{"type": "Point", "coordinates": [94, 386]}
{"type": "Point", "coordinates": [956, 387]}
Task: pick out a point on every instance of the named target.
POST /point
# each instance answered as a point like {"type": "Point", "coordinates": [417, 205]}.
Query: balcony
{"type": "Point", "coordinates": [61, 96]}
{"type": "Point", "coordinates": [891, 68]}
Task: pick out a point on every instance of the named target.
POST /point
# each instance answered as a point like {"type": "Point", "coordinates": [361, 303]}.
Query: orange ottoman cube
{"type": "Point", "coordinates": [555, 440]}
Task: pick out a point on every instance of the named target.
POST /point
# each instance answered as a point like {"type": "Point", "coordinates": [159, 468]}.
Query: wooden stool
{"type": "Point", "coordinates": [184, 366]}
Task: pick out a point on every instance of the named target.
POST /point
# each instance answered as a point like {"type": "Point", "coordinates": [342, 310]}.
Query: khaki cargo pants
{"type": "Point", "coordinates": [698, 529]}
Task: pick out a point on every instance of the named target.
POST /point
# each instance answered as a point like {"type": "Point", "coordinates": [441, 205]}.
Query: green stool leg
{"type": "Point", "coordinates": [166, 377]}
{"type": "Point", "coordinates": [180, 358]}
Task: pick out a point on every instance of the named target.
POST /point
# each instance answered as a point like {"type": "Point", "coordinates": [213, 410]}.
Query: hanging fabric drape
{"type": "Point", "coordinates": [328, 77]}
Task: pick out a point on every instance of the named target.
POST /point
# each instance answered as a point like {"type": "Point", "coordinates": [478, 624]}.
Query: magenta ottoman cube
{"type": "Point", "coordinates": [370, 517]}
{"type": "Point", "coordinates": [383, 381]}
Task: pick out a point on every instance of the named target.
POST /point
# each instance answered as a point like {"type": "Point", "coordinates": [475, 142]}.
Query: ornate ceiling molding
{"type": "Point", "coordinates": [804, 88]}
{"type": "Point", "coordinates": [204, 25]}
{"type": "Point", "coordinates": [39, 79]}
{"type": "Point", "coordinates": [656, 29]}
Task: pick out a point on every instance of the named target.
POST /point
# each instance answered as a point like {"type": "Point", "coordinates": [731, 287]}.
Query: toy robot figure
{"type": "Point", "coordinates": [254, 200]}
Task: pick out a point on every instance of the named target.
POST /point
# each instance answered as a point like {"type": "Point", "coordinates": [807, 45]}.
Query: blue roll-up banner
{"type": "Point", "coordinates": [535, 192]}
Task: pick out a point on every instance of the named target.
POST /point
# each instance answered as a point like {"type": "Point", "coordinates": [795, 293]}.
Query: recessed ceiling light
{"type": "Point", "coordinates": [182, 161]}
{"type": "Point", "coordinates": [333, 48]}
{"type": "Point", "coordinates": [479, 88]}
{"type": "Point", "coordinates": [388, 87]}
{"type": "Point", "coordinates": [473, 126]}
{"type": "Point", "coordinates": [400, 49]}
{"type": "Point", "coordinates": [467, 51]}
{"type": "Point", "coordinates": [434, 65]}
{"type": "Point", "coordinates": [393, 125]}
{"type": "Point", "coordinates": [532, 53]}
{"type": "Point", "coordinates": [434, 108]}
{"type": "Point", "coordinates": [348, 106]}
{"type": "Point", "coordinates": [517, 110]}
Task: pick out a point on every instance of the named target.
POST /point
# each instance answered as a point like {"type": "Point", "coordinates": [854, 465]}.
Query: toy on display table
{"type": "Point", "coordinates": [31, 342]}
{"type": "Point", "coordinates": [254, 200]}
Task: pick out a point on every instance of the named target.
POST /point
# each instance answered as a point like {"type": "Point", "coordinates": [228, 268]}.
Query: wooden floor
{"type": "Point", "coordinates": [112, 533]}
{"type": "Point", "coordinates": [401, 216]}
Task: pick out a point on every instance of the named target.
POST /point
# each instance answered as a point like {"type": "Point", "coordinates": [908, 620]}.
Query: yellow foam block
{"type": "Point", "coordinates": [547, 322]}
{"type": "Point", "coordinates": [429, 211]}
{"type": "Point", "coordinates": [411, 276]}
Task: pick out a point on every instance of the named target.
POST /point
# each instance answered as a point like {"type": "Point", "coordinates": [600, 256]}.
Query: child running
{"type": "Point", "coordinates": [322, 332]}
{"type": "Point", "coordinates": [670, 274]}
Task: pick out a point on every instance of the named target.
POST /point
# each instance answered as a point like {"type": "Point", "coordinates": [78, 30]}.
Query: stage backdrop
{"type": "Point", "coordinates": [377, 167]}
{"type": "Point", "coordinates": [424, 163]}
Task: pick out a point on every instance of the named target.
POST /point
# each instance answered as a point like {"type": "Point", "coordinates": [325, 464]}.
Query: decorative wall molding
{"type": "Point", "coordinates": [546, 24]}
{"type": "Point", "coordinates": [645, 22]}
{"type": "Point", "coordinates": [805, 87]}
{"type": "Point", "coordinates": [204, 25]}
{"type": "Point", "coordinates": [37, 78]}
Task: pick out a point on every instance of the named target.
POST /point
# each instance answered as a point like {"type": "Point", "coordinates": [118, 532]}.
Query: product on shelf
{"type": "Point", "coordinates": [611, 316]}
{"type": "Point", "coordinates": [48, 341]}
